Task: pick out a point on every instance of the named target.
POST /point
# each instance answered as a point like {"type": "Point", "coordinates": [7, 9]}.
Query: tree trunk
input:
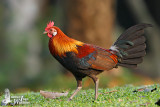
{"type": "Point", "coordinates": [90, 21]}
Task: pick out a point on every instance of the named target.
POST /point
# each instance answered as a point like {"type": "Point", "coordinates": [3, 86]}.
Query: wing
{"type": "Point", "coordinates": [93, 57]}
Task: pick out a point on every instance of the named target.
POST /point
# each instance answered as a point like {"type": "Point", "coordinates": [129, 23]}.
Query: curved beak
{"type": "Point", "coordinates": [45, 32]}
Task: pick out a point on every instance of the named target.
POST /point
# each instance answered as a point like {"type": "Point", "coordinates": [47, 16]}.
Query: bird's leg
{"type": "Point", "coordinates": [96, 81]}
{"type": "Point", "coordinates": [96, 88]}
{"type": "Point", "coordinates": [79, 86]}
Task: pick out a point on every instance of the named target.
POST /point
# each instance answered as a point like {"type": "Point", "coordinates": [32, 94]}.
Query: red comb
{"type": "Point", "coordinates": [50, 24]}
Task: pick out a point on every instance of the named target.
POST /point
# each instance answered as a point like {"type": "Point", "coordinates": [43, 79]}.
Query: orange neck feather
{"type": "Point", "coordinates": [60, 44]}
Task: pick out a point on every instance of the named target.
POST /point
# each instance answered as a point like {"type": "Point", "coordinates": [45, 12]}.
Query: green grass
{"type": "Point", "coordinates": [124, 96]}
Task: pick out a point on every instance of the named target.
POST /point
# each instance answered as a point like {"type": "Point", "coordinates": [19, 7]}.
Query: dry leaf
{"type": "Point", "coordinates": [109, 92]}
{"type": "Point", "coordinates": [52, 95]}
{"type": "Point", "coordinates": [139, 90]}
{"type": "Point", "coordinates": [145, 89]}
{"type": "Point", "coordinates": [112, 91]}
{"type": "Point", "coordinates": [145, 104]}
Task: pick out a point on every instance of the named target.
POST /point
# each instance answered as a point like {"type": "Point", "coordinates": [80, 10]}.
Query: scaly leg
{"type": "Point", "coordinates": [96, 88]}
{"type": "Point", "coordinates": [79, 86]}
{"type": "Point", "coordinates": [96, 81]}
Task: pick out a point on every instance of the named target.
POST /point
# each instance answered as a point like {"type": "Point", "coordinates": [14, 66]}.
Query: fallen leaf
{"type": "Point", "coordinates": [52, 95]}
{"type": "Point", "coordinates": [112, 91]}
{"type": "Point", "coordinates": [145, 89]}
{"type": "Point", "coordinates": [139, 90]}
{"type": "Point", "coordinates": [109, 92]}
{"type": "Point", "coordinates": [145, 104]}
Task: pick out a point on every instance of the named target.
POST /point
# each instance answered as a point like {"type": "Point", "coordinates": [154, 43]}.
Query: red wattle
{"type": "Point", "coordinates": [49, 35]}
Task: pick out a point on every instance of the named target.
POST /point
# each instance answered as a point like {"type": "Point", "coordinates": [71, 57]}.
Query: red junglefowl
{"type": "Point", "coordinates": [83, 59]}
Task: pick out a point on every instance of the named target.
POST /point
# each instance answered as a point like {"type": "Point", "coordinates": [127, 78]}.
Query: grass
{"type": "Point", "coordinates": [124, 96]}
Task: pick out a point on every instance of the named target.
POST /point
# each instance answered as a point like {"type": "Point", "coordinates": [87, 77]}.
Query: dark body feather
{"type": "Point", "coordinates": [91, 64]}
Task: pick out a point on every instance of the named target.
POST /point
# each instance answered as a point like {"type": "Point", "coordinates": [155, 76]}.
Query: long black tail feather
{"type": "Point", "coordinates": [130, 46]}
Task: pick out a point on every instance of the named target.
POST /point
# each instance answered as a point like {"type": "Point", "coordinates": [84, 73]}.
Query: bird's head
{"type": "Point", "coordinates": [51, 30]}
{"type": "Point", "coordinates": [60, 43]}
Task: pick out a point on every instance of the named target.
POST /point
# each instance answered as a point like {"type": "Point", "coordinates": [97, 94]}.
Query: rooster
{"type": "Point", "coordinates": [83, 59]}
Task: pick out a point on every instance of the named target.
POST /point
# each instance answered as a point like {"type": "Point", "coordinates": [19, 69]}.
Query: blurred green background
{"type": "Point", "coordinates": [25, 60]}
